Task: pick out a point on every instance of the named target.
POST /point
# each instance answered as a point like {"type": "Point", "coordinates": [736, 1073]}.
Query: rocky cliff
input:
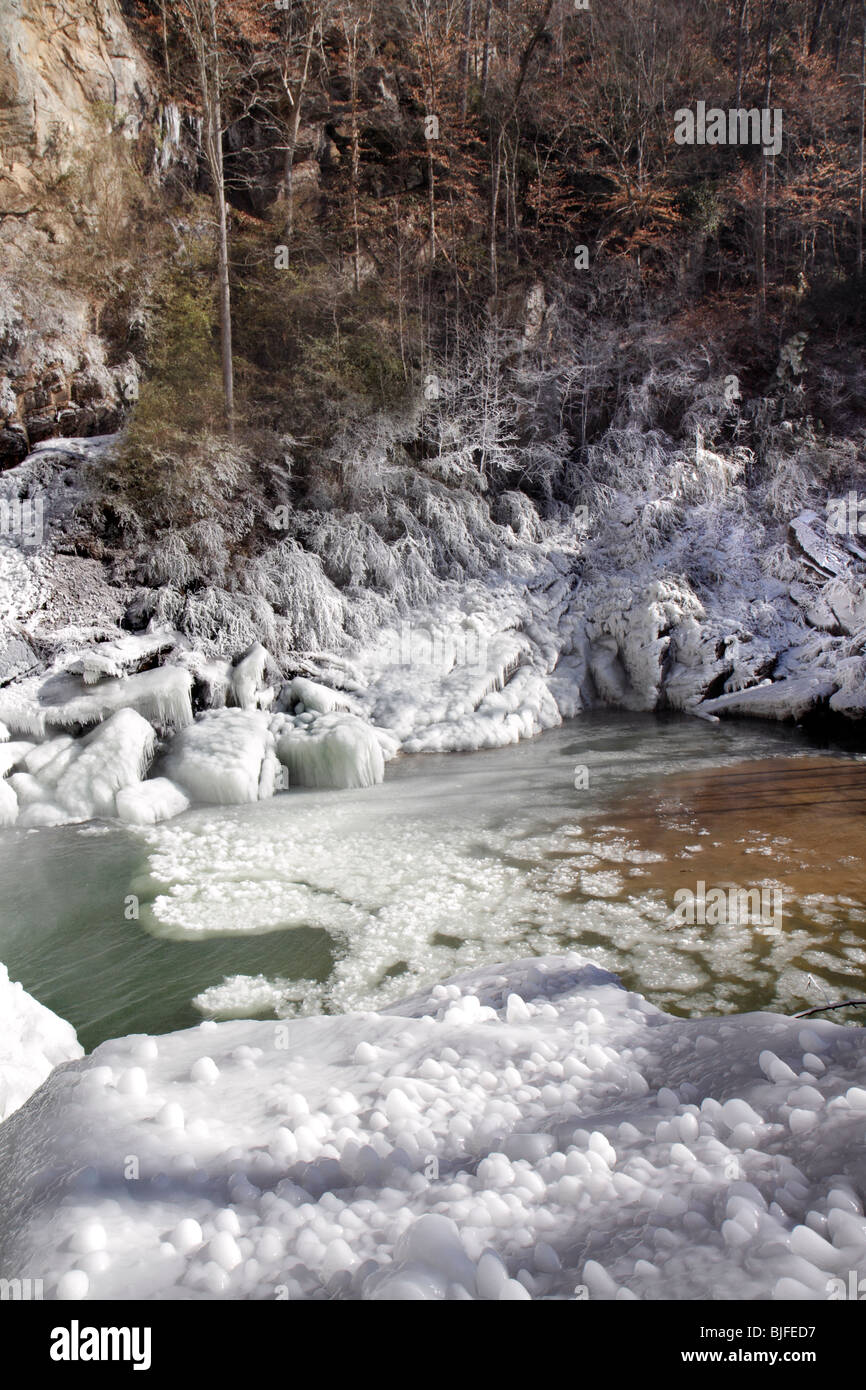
{"type": "Point", "coordinates": [71, 78]}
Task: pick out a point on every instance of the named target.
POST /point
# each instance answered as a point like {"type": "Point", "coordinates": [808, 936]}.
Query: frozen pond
{"type": "Point", "coordinates": [350, 899]}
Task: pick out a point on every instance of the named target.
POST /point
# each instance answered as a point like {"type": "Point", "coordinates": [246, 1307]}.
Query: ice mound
{"type": "Point", "coordinates": [33, 1041]}
{"type": "Point", "coordinates": [119, 657]}
{"type": "Point", "coordinates": [148, 802]}
{"type": "Point", "coordinates": [246, 683]}
{"type": "Point", "coordinates": [225, 758]}
{"type": "Point", "coordinates": [529, 1130]}
{"type": "Point", "coordinates": [301, 694]}
{"type": "Point", "coordinates": [79, 699]}
{"type": "Point", "coordinates": [331, 750]}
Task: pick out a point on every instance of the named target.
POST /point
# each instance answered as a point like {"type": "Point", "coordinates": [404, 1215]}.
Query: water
{"type": "Point", "coordinates": [335, 900]}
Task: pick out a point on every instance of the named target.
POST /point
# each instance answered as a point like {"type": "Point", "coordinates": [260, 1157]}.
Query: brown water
{"type": "Point", "coordinates": [341, 900]}
{"type": "Point", "coordinates": [793, 826]}
{"type": "Point", "coordinates": [800, 822]}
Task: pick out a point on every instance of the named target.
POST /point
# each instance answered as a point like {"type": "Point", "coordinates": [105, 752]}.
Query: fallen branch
{"type": "Point", "coordinates": [824, 1008]}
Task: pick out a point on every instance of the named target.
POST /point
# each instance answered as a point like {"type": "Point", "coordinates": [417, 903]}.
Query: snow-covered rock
{"type": "Point", "coordinates": [784, 699]}
{"type": "Point", "coordinates": [521, 1131]}
{"type": "Point", "coordinates": [115, 755]}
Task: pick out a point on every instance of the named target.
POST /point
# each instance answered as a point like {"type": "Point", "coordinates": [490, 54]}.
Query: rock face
{"type": "Point", "coordinates": [69, 74]}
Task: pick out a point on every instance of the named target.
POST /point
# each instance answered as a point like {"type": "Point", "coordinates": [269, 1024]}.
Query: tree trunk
{"type": "Point", "coordinates": [862, 134]}
{"type": "Point", "coordinates": [211, 82]}
{"type": "Point", "coordinates": [288, 165]}
{"type": "Point", "coordinates": [741, 36]}
{"type": "Point", "coordinates": [485, 61]}
{"type": "Point", "coordinates": [495, 170]}
{"type": "Point", "coordinates": [464, 58]}
{"type": "Point", "coordinates": [818, 15]}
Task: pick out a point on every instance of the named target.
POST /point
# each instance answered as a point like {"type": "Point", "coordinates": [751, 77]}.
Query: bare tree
{"type": "Point", "coordinates": [354, 19]}
{"type": "Point", "coordinates": [199, 21]}
{"type": "Point", "coordinates": [297, 47]}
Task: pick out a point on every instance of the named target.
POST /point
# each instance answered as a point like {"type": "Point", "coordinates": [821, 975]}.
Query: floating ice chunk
{"type": "Point", "coordinates": [218, 759]}
{"type": "Point", "coordinates": [205, 1070]}
{"type": "Point", "coordinates": [33, 1041]}
{"type": "Point", "coordinates": [450, 1162]}
{"type": "Point", "coordinates": [331, 750]}
{"type": "Point", "coordinates": [73, 1286]}
{"type": "Point", "coordinates": [148, 802]}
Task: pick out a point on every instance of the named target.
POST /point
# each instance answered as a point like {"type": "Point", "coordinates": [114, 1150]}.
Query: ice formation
{"type": "Point", "coordinates": [33, 1041]}
{"type": "Point", "coordinates": [331, 750]}
{"type": "Point", "coordinates": [66, 779]}
{"type": "Point", "coordinates": [530, 1131]}
{"type": "Point", "coordinates": [224, 757]}
{"type": "Point", "coordinates": [145, 803]}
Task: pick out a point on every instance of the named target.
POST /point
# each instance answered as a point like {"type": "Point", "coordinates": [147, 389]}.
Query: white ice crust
{"type": "Point", "coordinates": [521, 1131]}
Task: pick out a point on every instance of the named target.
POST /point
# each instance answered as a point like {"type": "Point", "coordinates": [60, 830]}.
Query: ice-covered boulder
{"type": "Point", "coordinates": [118, 657]}
{"type": "Point", "coordinates": [33, 1041]}
{"type": "Point", "coordinates": [12, 755]}
{"type": "Point", "coordinates": [331, 750]}
{"type": "Point", "coordinates": [790, 698]}
{"type": "Point", "coordinates": [225, 758]}
{"type": "Point", "coordinates": [630, 633]}
{"type": "Point", "coordinates": [115, 755]}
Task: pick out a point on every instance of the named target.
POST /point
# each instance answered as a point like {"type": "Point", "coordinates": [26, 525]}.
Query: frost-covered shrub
{"type": "Point", "coordinates": [293, 584]}
{"type": "Point", "coordinates": [218, 621]}
{"type": "Point", "coordinates": [516, 510]}
{"type": "Point", "coordinates": [788, 487]}
{"type": "Point", "coordinates": [352, 552]}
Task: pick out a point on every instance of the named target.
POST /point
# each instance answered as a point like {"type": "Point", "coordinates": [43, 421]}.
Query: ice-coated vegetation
{"type": "Point", "coordinates": [468, 599]}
